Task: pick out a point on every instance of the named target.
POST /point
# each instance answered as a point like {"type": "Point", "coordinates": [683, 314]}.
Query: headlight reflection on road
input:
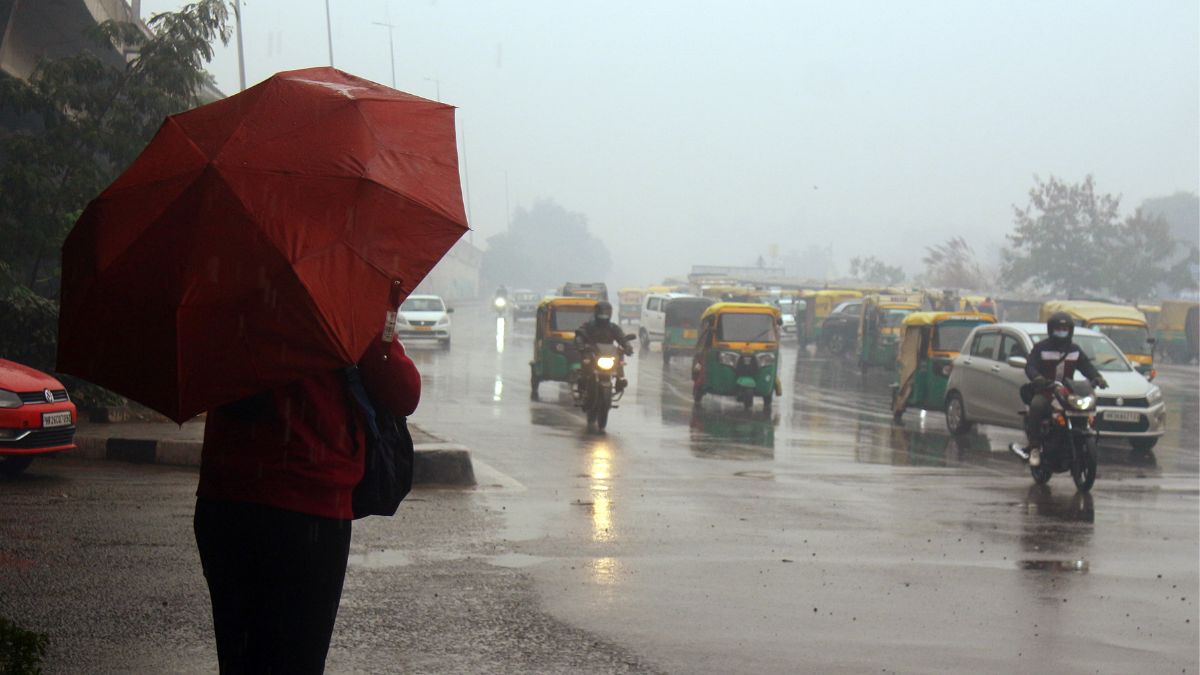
{"type": "Point", "coordinates": [500, 335]}
{"type": "Point", "coordinates": [605, 570]}
{"type": "Point", "coordinates": [498, 388]}
{"type": "Point", "coordinates": [600, 471]}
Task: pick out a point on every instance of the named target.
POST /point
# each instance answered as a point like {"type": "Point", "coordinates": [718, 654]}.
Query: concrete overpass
{"type": "Point", "coordinates": [31, 30]}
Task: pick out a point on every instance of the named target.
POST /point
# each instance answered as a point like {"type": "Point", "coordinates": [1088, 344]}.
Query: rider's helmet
{"type": "Point", "coordinates": [602, 311]}
{"type": "Point", "coordinates": [1060, 328]}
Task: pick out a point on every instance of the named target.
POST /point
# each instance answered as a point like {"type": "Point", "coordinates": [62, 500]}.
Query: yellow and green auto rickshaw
{"type": "Point", "coordinates": [1178, 330]}
{"type": "Point", "coordinates": [818, 306]}
{"type": "Point", "coordinates": [879, 327]}
{"type": "Point", "coordinates": [929, 341]}
{"type": "Point", "coordinates": [1124, 325]}
{"type": "Point", "coordinates": [738, 353]}
{"type": "Point", "coordinates": [681, 324]}
{"type": "Point", "coordinates": [1152, 313]}
{"type": "Point", "coordinates": [555, 357]}
{"type": "Point", "coordinates": [629, 304]}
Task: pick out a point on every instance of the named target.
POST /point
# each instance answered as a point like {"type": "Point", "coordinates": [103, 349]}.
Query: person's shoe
{"type": "Point", "coordinates": [1035, 457]}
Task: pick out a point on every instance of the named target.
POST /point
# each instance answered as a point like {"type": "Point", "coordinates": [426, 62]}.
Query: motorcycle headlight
{"type": "Point", "coordinates": [9, 399]}
{"type": "Point", "coordinates": [1081, 402]}
{"type": "Point", "coordinates": [728, 359]}
{"type": "Point", "coordinates": [500, 302]}
{"type": "Point", "coordinates": [606, 362]}
{"type": "Point", "coordinates": [1154, 395]}
{"type": "Point", "coordinates": [765, 359]}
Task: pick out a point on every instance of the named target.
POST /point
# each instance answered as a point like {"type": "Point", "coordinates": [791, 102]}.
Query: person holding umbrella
{"type": "Point", "coordinates": [239, 266]}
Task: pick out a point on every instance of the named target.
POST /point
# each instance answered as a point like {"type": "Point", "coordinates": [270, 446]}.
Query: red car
{"type": "Point", "coordinates": [36, 416]}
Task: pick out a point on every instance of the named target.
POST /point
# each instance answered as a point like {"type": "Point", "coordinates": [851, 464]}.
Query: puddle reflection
{"type": "Point", "coordinates": [501, 327]}
{"type": "Point", "coordinates": [732, 433]}
{"type": "Point", "coordinates": [600, 473]}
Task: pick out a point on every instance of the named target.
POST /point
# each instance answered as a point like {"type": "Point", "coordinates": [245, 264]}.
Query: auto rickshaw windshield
{"type": "Point", "coordinates": [1129, 339]}
{"type": "Point", "coordinates": [893, 317]}
{"type": "Point", "coordinates": [570, 318]}
{"type": "Point", "coordinates": [736, 327]}
{"type": "Point", "coordinates": [951, 335]}
{"type": "Point", "coordinates": [1101, 352]}
{"type": "Point", "coordinates": [422, 305]}
{"type": "Point", "coordinates": [686, 311]}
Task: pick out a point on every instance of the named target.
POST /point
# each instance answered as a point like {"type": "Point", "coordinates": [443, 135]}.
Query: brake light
{"type": "Point", "coordinates": [1061, 420]}
{"type": "Point", "coordinates": [1153, 374]}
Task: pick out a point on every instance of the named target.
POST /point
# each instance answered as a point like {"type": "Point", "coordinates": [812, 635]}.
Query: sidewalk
{"type": "Point", "coordinates": [438, 462]}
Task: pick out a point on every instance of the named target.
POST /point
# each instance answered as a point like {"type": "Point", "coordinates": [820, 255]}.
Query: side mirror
{"type": "Point", "coordinates": [1017, 361]}
{"type": "Point", "coordinates": [631, 336]}
{"type": "Point", "coordinates": [1152, 341]}
{"type": "Point", "coordinates": [449, 310]}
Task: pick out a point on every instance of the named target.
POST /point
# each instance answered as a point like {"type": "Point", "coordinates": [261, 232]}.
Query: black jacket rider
{"type": "Point", "coordinates": [1054, 359]}
{"type": "Point", "coordinates": [601, 330]}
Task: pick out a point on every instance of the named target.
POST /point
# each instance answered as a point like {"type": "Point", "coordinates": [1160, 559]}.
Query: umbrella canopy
{"type": "Point", "coordinates": [256, 239]}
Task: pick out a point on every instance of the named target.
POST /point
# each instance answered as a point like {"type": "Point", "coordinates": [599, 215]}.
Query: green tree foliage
{"type": "Point", "coordinates": [1073, 241]}
{"type": "Point", "coordinates": [545, 246]}
{"type": "Point", "coordinates": [87, 121]}
{"type": "Point", "coordinates": [873, 270]}
{"type": "Point", "coordinates": [81, 122]}
{"type": "Point", "coordinates": [952, 264]}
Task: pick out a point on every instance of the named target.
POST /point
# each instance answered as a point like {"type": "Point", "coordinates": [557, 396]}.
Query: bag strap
{"type": "Point", "coordinates": [358, 393]}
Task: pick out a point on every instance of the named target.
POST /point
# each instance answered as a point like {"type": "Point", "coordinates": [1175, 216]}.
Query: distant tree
{"type": "Point", "coordinates": [545, 246]}
{"type": "Point", "coordinates": [1073, 242]}
{"type": "Point", "coordinates": [953, 264]}
{"type": "Point", "coordinates": [873, 270]}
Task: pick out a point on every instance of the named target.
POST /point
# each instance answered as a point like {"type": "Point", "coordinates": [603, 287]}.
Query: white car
{"type": "Point", "coordinates": [787, 306]}
{"type": "Point", "coordinates": [424, 317]}
{"type": "Point", "coordinates": [652, 325]}
{"type": "Point", "coordinates": [985, 381]}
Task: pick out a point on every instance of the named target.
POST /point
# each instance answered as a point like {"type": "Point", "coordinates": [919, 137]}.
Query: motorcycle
{"type": "Point", "coordinates": [1068, 436]}
{"type": "Point", "coordinates": [601, 382]}
{"type": "Point", "coordinates": [500, 304]}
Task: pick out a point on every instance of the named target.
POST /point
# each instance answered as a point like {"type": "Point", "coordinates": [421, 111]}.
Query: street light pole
{"type": "Point", "coordinates": [391, 48]}
{"type": "Point", "coordinates": [237, 13]}
{"type": "Point", "coordinates": [329, 33]}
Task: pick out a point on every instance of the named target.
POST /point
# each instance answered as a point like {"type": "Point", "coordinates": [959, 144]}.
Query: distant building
{"type": "Point", "coordinates": [456, 277]}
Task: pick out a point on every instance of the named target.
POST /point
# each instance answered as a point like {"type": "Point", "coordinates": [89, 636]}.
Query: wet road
{"type": "Point", "coordinates": [820, 536]}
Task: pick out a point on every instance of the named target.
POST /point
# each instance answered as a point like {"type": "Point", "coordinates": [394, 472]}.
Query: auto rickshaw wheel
{"type": "Point", "coordinates": [768, 399]}
{"type": "Point", "coordinates": [643, 341]}
{"type": "Point", "coordinates": [956, 414]}
{"type": "Point", "coordinates": [666, 356]}
{"type": "Point", "coordinates": [533, 383]}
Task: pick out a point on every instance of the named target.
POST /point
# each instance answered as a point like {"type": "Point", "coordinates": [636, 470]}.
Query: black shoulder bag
{"type": "Point", "coordinates": [388, 462]}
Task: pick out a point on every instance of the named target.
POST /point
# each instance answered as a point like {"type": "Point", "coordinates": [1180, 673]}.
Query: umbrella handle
{"type": "Point", "coordinates": [389, 324]}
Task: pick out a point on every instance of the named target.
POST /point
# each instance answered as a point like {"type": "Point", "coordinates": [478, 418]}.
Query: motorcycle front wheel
{"type": "Point", "coordinates": [603, 404]}
{"type": "Point", "coordinates": [1083, 464]}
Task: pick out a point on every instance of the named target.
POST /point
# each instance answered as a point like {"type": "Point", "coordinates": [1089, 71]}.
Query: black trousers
{"type": "Point", "coordinates": [275, 579]}
{"type": "Point", "coordinates": [1039, 409]}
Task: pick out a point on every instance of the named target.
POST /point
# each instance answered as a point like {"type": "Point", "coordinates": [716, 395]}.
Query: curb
{"type": "Point", "coordinates": [435, 464]}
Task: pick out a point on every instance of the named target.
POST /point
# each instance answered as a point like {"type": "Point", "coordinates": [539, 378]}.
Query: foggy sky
{"type": "Point", "coordinates": [702, 132]}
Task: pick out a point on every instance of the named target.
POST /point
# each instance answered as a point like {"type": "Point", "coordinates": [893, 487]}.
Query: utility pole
{"type": "Point", "coordinates": [237, 13]}
{"type": "Point", "coordinates": [391, 47]}
{"type": "Point", "coordinates": [329, 33]}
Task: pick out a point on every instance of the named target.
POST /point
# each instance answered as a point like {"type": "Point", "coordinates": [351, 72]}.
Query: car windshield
{"type": "Point", "coordinates": [893, 317]}
{"type": "Point", "coordinates": [422, 305]}
{"type": "Point", "coordinates": [570, 318]}
{"type": "Point", "coordinates": [1129, 339]}
{"type": "Point", "coordinates": [1100, 351]}
{"type": "Point", "coordinates": [686, 311]}
{"type": "Point", "coordinates": [849, 308]}
{"type": "Point", "coordinates": [746, 328]}
{"type": "Point", "coordinates": [951, 336]}
{"type": "Point", "coordinates": [525, 297]}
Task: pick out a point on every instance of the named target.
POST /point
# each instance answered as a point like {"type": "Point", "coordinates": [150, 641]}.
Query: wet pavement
{"type": "Point", "coordinates": [816, 538]}
{"type": "Point", "coordinates": [820, 536]}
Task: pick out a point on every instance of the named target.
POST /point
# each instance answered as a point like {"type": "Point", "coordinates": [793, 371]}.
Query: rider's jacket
{"type": "Point", "coordinates": [1052, 362]}
{"type": "Point", "coordinates": [596, 333]}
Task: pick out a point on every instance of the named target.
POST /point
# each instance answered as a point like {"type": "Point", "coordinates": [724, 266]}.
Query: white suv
{"type": "Point", "coordinates": [424, 317]}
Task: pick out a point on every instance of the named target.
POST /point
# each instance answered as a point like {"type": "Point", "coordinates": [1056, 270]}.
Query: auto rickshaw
{"type": "Point", "coordinates": [928, 343]}
{"type": "Point", "coordinates": [681, 325]}
{"type": "Point", "coordinates": [1124, 325]}
{"type": "Point", "coordinates": [1178, 331]}
{"type": "Point", "coordinates": [596, 290]}
{"type": "Point", "coordinates": [879, 327]}
{"type": "Point", "coordinates": [1152, 313]}
{"type": "Point", "coordinates": [1012, 310]}
{"type": "Point", "coordinates": [555, 357]}
{"type": "Point", "coordinates": [818, 306]}
{"type": "Point", "coordinates": [629, 307]}
{"type": "Point", "coordinates": [738, 353]}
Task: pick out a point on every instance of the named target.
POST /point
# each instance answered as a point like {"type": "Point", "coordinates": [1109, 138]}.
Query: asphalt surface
{"type": "Point", "coordinates": [816, 538]}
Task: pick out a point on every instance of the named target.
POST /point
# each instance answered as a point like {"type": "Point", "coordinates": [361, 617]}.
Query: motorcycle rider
{"type": "Point", "coordinates": [1053, 359]}
{"type": "Point", "coordinates": [601, 331]}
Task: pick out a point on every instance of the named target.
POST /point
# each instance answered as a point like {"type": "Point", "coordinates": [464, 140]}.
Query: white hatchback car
{"type": "Point", "coordinates": [424, 317]}
{"type": "Point", "coordinates": [986, 378]}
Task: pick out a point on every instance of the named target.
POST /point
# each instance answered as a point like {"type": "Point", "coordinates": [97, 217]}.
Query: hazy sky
{"type": "Point", "coordinates": [703, 132]}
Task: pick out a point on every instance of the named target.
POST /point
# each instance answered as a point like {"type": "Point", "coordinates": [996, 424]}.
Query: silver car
{"type": "Point", "coordinates": [986, 378]}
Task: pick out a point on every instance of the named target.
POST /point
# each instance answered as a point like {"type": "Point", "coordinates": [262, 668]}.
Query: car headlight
{"type": "Point", "coordinates": [444, 321]}
{"type": "Point", "coordinates": [9, 399]}
{"type": "Point", "coordinates": [401, 320]}
{"type": "Point", "coordinates": [765, 359]}
{"type": "Point", "coordinates": [1081, 402]}
{"type": "Point", "coordinates": [728, 359]}
{"type": "Point", "coordinates": [606, 362]}
{"type": "Point", "coordinates": [1154, 395]}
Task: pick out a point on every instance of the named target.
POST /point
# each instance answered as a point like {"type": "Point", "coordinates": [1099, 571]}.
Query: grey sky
{"type": "Point", "coordinates": [702, 132]}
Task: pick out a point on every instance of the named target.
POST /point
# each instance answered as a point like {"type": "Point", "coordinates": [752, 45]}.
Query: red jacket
{"type": "Point", "coordinates": [292, 447]}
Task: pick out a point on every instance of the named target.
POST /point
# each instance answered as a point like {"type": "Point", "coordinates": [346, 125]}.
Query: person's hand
{"type": "Point", "coordinates": [628, 350]}
{"type": "Point", "coordinates": [1099, 382]}
{"type": "Point", "coordinates": [1041, 382]}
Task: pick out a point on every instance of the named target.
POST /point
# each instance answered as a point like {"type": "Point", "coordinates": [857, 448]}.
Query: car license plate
{"type": "Point", "coordinates": [423, 328]}
{"type": "Point", "coordinates": [1122, 416]}
{"type": "Point", "coordinates": [689, 335]}
{"type": "Point", "coordinates": [56, 419]}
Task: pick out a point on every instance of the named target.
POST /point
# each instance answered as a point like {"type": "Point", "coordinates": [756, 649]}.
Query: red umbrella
{"type": "Point", "coordinates": [256, 239]}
